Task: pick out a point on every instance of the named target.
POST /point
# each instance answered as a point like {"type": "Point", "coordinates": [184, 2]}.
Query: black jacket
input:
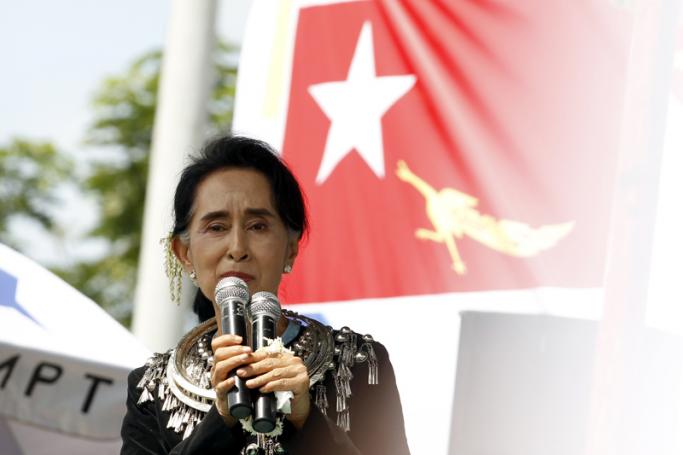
{"type": "Point", "coordinates": [376, 422]}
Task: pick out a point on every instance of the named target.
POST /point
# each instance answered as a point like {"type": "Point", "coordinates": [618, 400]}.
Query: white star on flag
{"type": "Point", "coordinates": [355, 108]}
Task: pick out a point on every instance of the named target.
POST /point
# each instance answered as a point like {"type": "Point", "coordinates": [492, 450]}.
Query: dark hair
{"type": "Point", "coordinates": [243, 153]}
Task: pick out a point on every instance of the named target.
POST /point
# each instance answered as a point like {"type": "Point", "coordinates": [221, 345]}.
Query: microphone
{"type": "Point", "coordinates": [232, 294]}
{"type": "Point", "coordinates": [263, 312]}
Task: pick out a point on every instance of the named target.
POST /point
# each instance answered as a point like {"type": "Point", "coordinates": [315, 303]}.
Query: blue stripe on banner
{"type": "Point", "coordinates": [8, 292]}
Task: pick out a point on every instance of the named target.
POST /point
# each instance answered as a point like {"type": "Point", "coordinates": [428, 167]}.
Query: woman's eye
{"type": "Point", "coordinates": [258, 226]}
{"type": "Point", "coordinates": [215, 228]}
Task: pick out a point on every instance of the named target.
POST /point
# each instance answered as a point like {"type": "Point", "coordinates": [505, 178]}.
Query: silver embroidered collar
{"type": "Point", "coordinates": [181, 376]}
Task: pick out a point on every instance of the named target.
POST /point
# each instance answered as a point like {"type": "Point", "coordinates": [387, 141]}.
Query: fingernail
{"type": "Point", "coordinates": [246, 349]}
{"type": "Point", "coordinates": [240, 372]}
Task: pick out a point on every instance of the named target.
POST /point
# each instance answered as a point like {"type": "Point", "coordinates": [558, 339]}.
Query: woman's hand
{"type": "Point", "coordinates": [228, 355]}
{"type": "Point", "coordinates": [283, 372]}
{"type": "Point", "coordinates": [267, 372]}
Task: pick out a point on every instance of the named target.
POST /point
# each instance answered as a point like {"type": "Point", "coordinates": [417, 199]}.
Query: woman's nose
{"type": "Point", "coordinates": [238, 249]}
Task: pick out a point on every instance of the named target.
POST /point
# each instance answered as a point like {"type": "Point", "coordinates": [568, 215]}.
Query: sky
{"type": "Point", "coordinates": [55, 54]}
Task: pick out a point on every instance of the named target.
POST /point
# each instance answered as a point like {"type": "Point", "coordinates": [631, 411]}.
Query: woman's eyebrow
{"type": "Point", "coordinates": [259, 212]}
{"type": "Point", "coordinates": [216, 214]}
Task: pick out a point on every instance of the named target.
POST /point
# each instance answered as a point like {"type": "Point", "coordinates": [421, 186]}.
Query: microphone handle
{"type": "Point", "coordinates": [239, 397]}
{"type": "Point", "coordinates": [264, 405]}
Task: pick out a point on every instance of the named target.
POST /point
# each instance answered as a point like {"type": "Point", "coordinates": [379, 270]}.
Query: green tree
{"type": "Point", "coordinates": [121, 132]}
{"type": "Point", "coordinates": [30, 175]}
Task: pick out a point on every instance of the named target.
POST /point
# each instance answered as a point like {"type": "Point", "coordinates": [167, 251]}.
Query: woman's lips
{"type": "Point", "coordinates": [244, 276]}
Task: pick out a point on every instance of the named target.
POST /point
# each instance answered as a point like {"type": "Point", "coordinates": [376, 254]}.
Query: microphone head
{"type": "Point", "coordinates": [231, 288]}
{"type": "Point", "coordinates": [264, 304]}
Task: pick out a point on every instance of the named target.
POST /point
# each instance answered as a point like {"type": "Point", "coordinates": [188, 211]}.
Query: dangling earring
{"type": "Point", "coordinates": [193, 277]}
{"type": "Point", "coordinates": [173, 268]}
{"type": "Point", "coordinates": [288, 268]}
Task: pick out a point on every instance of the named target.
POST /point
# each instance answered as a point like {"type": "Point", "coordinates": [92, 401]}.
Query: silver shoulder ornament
{"type": "Point", "coordinates": [181, 377]}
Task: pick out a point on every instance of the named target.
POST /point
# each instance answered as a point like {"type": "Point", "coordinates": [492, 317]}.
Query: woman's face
{"type": "Point", "coordinates": [236, 231]}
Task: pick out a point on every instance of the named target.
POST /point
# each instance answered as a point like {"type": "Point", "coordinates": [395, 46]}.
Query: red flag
{"type": "Point", "coordinates": [454, 146]}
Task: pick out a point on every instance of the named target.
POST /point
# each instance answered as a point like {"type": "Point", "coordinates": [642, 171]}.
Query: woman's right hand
{"type": "Point", "coordinates": [228, 355]}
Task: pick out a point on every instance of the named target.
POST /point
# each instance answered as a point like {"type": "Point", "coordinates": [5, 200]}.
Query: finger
{"type": "Point", "coordinates": [264, 362]}
{"type": "Point", "coordinates": [226, 352]}
{"type": "Point", "coordinates": [260, 367]}
{"type": "Point", "coordinates": [224, 387]}
{"type": "Point", "coordinates": [225, 340]}
{"type": "Point", "coordinates": [283, 385]}
{"type": "Point", "coordinates": [223, 368]}
{"type": "Point", "coordinates": [276, 374]}
{"type": "Point", "coordinates": [265, 354]}
{"type": "Point", "coordinates": [295, 378]}
{"type": "Point", "coordinates": [261, 355]}
{"type": "Point", "coordinates": [298, 384]}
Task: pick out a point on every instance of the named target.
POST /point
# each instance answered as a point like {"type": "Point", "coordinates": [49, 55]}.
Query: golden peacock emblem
{"type": "Point", "coordinates": [454, 214]}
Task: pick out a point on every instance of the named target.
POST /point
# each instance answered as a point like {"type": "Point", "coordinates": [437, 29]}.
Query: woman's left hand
{"type": "Point", "coordinates": [281, 372]}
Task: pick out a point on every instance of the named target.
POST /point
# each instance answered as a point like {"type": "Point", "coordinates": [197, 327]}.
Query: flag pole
{"type": "Point", "coordinates": [181, 116]}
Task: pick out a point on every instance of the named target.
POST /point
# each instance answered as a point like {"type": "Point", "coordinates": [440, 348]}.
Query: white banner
{"type": "Point", "coordinates": [63, 362]}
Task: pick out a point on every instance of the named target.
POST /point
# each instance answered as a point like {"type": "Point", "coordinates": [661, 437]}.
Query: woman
{"type": "Point", "coordinates": [240, 212]}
